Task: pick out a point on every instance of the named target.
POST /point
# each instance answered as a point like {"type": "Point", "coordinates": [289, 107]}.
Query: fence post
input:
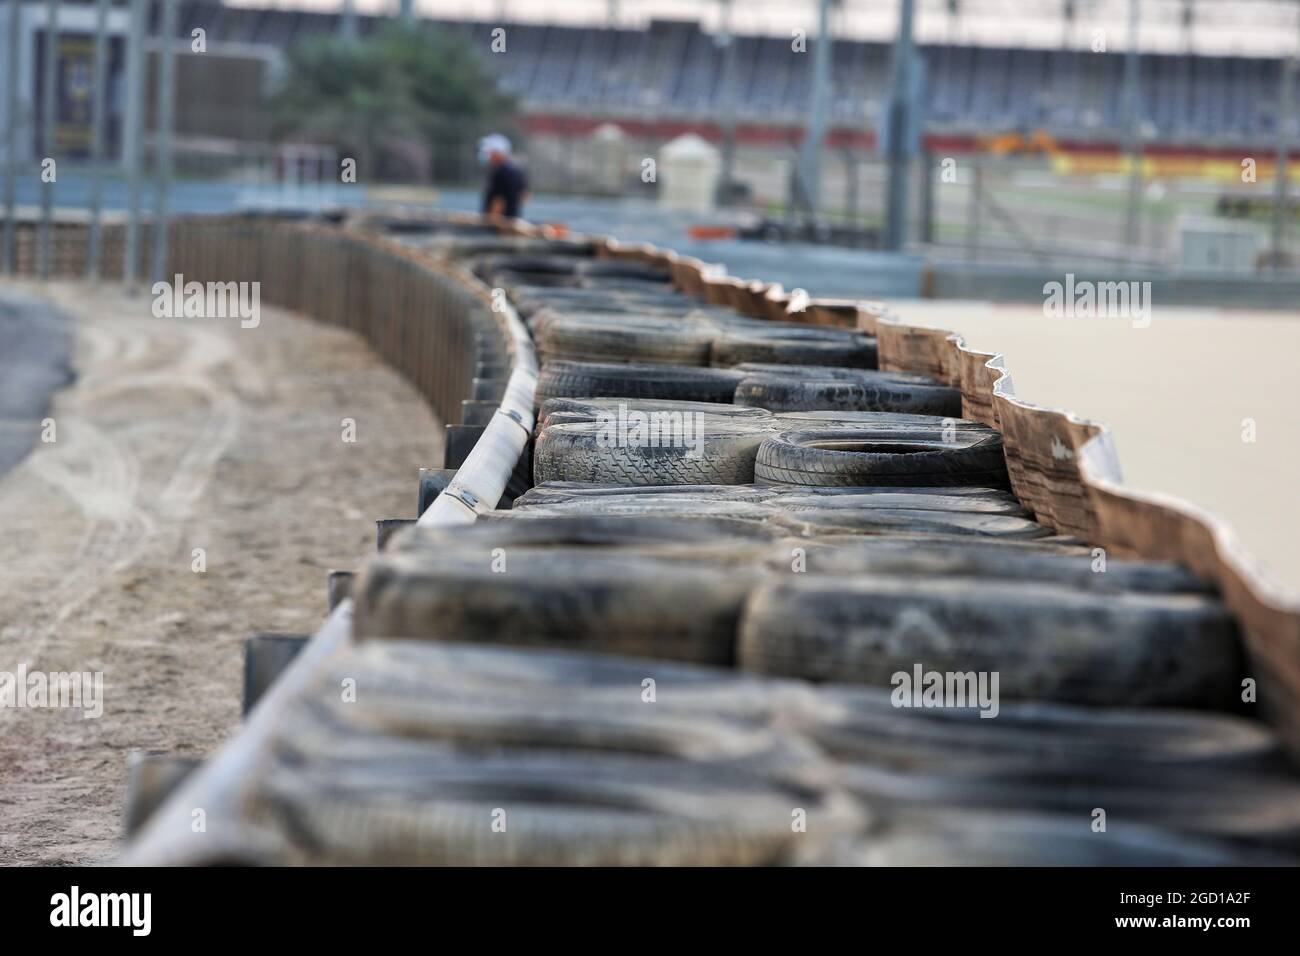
{"type": "Point", "coordinates": [50, 77]}
{"type": "Point", "coordinates": [166, 116]}
{"type": "Point", "coordinates": [97, 101]}
{"type": "Point", "coordinates": [10, 251]}
{"type": "Point", "coordinates": [132, 133]}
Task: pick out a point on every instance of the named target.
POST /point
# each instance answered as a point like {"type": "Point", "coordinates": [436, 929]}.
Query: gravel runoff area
{"type": "Point", "coordinates": [177, 435]}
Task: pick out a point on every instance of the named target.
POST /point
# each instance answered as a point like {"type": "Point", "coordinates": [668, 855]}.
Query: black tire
{"type": "Point", "coordinates": [624, 269]}
{"type": "Point", "coordinates": [897, 420]}
{"type": "Point", "coordinates": [882, 456]}
{"type": "Point", "coordinates": [881, 557]}
{"type": "Point", "coordinates": [523, 681]}
{"type": "Point", "coordinates": [891, 521]}
{"type": "Point", "coordinates": [601, 338]}
{"type": "Point", "coordinates": [602, 285]}
{"type": "Point", "coordinates": [643, 533]}
{"type": "Point", "coordinates": [586, 771]}
{"type": "Point", "coordinates": [965, 498]}
{"type": "Point", "coordinates": [864, 392]}
{"type": "Point", "coordinates": [1258, 805]}
{"type": "Point", "coordinates": [669, 506]}
{"type": "Point", "coordinates": [861, 725]}
{"type": "Point", "coordinates": [508, 279]}
{"type": "Point", "coordinates": [529, 265]}
{"type": "Point", "coordinates": [745, 327]}
{"type": "Point", "coordinates": [568, 492]}
{"type": "Point", "coordinates": [781, 499]}
{"type": "Point", "coordinates": [700, 452]}
{"type": "Point", "coordinates": [532, 298]}
{"type": "Point", "coordinates": [851, 350]}
{"type": "Point", "coordinates": [558, 410]}
{"type": "Point", "coordinates": [912, 499]}
{"type": "Point", "coordinates": [1019, 839]}
{"type": "Point", "coordinates": [1046, 642]}
{"type": "Point", "coordinates": [820, 373]}
{"type": "Point", "coordinates": [596, 380]}
{"type": "Point", "coordinates": [563, 807]}
{"type": "Point", "coordinates": [592, 600]}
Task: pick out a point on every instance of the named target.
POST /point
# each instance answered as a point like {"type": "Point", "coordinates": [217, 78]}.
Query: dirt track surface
{"type": "Point", "coordinates": [179, 434]}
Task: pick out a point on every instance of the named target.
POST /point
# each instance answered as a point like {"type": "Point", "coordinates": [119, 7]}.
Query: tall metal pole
{"type": "Point", "coordinates": [1133, 122]}
{"type": "Point", "coordinates": [163, 154]}
{"type": "Point", "coordinates": [973, 225]}
{"type": "Point", "coordinates": [850, 187]}
{"type": "Point", "coordinates": [899, 122]}
{"type": "Point", "coordinates": [728, 39]}
{"type": "Point", "coordinates": [133, 123]}
{"type": "Point", "coordinates": [11, 138]}
{"type": "Point", "coordinates": [48, 117]}
{"type": "Point", "coordinates": [927, 196]}
{"type": "Point", "coordinates": [1280, 211]}
{"type": "Point", "coordinates": [810, 157]}
{"type": "Point", "coordinates": [97, 117]}
{"type": "Point", "coordinates": [348, 23]}
{"type": "Point", "coordinates": [407, 8]}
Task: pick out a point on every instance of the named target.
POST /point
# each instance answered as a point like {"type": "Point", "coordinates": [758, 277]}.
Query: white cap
{"type": "Point", "coordinates": [494, 143]}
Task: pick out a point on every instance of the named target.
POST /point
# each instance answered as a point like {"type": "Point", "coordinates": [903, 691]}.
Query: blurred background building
{"type": "Point", "coordinates": [1135, 133]}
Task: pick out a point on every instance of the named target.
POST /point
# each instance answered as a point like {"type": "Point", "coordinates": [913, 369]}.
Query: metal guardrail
{"type": "Point", "coordinates": [480, 482]}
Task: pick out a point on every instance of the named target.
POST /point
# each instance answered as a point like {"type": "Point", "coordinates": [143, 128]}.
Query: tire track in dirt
{"type": "Point", "coordinates": [179, 434]}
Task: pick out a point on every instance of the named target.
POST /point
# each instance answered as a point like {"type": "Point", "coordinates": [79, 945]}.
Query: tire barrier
{"type": "Point", "coordinates": [842, 390]}
{"type": "Point", "coordinates": [1047, 641]}
{"type": "Point", "coordinates": [845, 456]}
{"type": "Point", "coordinates": [712, 452]}
{"type": "Point", "coordinates": [597, 380]}
{"type": "Point", "coordinates": [718, 649]}
{"type": "Point", "coordinates": [556, 410]}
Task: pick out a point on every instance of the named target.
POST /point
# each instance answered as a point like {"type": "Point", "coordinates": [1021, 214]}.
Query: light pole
{"type": "Point", "coordinates": [48, 118]}
{"type": "Point", "coordinates": [810, 156]}
{"type": "Point", "coordinates": [1133, 122]}
{"type": "Point", "coordinates": [11, 136]}
{"type": "Point", "coordinates": [132, 132]}
{"type": "Point", "coordinates": [163, 155]}
{"type": "Point", "coordinates": [97, 101]}
{"type": "Point", "coordinates": [899, 120]}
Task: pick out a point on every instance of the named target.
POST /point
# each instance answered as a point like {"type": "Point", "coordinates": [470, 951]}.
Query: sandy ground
{"type": "Point", "coordinates": [1177, 394]}
{"type": "Point", "coordinates": [179, 434]}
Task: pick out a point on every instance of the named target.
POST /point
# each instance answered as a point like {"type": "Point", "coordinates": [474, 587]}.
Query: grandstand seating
{"type": "Point", "coordinates": [674, 70]}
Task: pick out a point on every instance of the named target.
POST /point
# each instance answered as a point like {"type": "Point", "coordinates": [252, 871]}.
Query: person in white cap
{"type": "Point", "coordinates": [507, 186]}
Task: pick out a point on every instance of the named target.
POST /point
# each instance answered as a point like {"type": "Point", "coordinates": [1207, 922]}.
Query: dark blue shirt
{"type": "Point", "coordinates": [507, 182]}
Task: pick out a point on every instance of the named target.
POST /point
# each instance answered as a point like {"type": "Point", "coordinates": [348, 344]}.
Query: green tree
{"type": "Point", "coordinates": [369, 98]}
